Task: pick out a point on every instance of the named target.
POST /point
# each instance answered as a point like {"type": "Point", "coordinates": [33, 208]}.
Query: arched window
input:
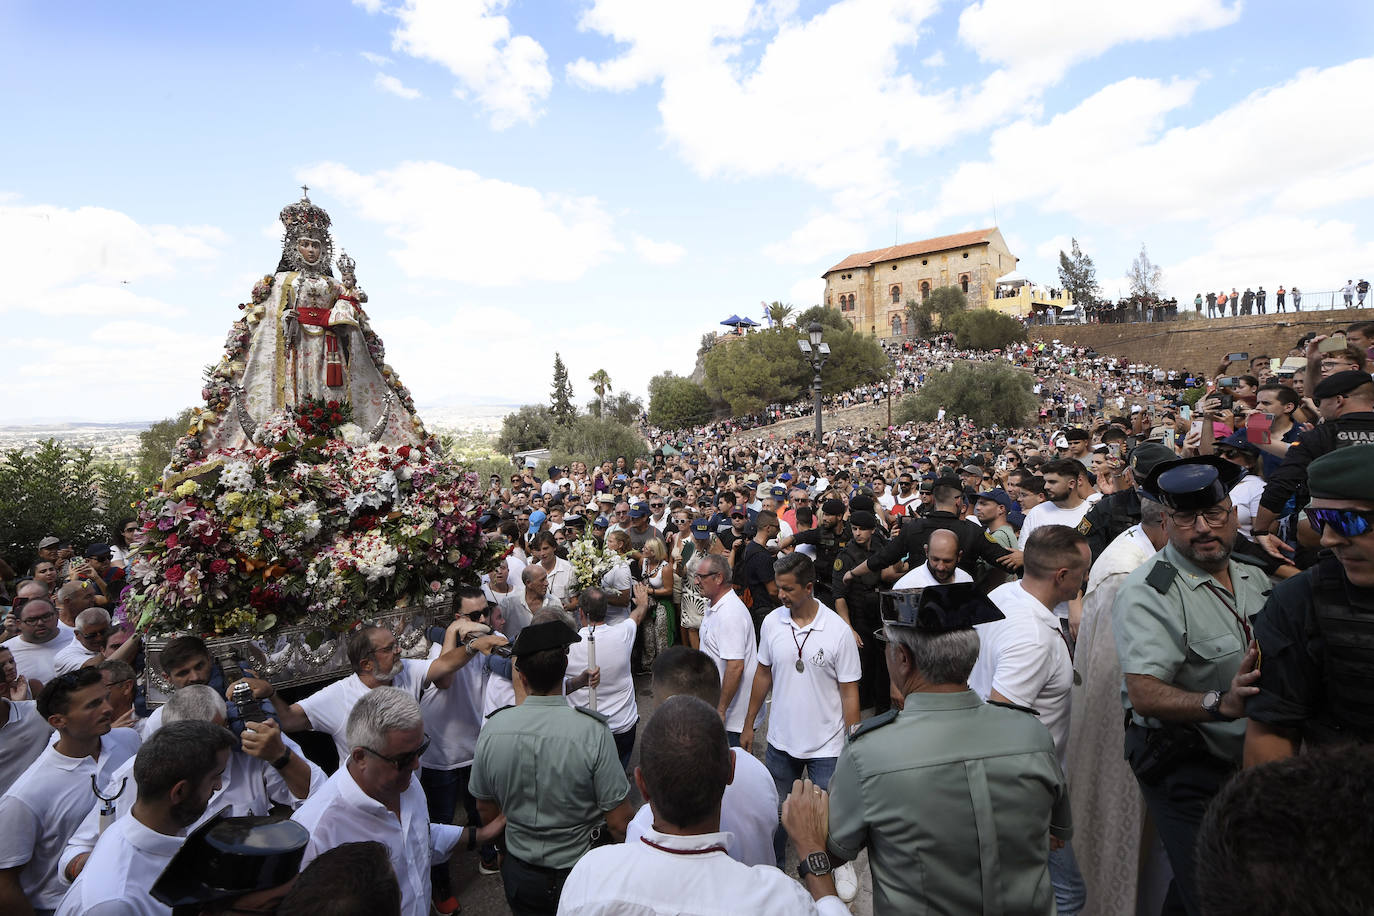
{"type": "Point", "coordinates": [925, 289]}
{"type": "Point", "coordinates": [896, 293]}
{"type": "Point", "coordinates": [896, 325]}
{"type": "Point", "coordinates": [851, 302]}
{"type": "Point", "coordinates": [963, 282]}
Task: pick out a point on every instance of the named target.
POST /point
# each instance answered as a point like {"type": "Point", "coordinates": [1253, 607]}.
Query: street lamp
{"type": "Point", "coordinates": [817, 353]}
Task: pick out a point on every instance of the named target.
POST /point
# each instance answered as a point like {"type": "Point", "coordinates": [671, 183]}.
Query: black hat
{"type": "Point", "coordinates": [1147, 456]}
{"type": "Point", "coordinates": [938, 608]}
{"type": "Point", "coordinates": [1193, 483]}
{"type": "Point", "coordinates": [537, 637]}
{"type": "Point", "coordinates": [832, 506]}
{"type": "Point", "coordinates": [1338, 384]}
{"type": "Point", "coordinates": [226, 857]}
{"type": "Point", "coordinates": [861, 503]}
{"type": "Point", "coordinates": [863, 519]}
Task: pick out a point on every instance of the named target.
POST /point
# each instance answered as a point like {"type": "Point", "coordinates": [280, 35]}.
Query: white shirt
{"type": "Point", "coordinates": [342, 813]}
{"type": "Point", "coordinates": [1246, 497]}
{"type": "Point", "coordinates": [22, 738]}
{"type": "Point", "coordinates": [808, 716]}
{"type": "Point", "coordinates": [453, 716]}
{"type": "Point", "coordinates": [920, 577]}
{"type": "Point", "coordinates": [562, 580]}
{"type": "Point", "coordinates": [328, 709]}
{"type": "Point", "coordinates": [1025, 658]}
{"type": "Point", "coordinates": [674, 876]}
{"type": "Point", "coordinates": [38, 659]}
{"type": "Point", "coordinates": [119, 876]}
{"type": "Point", "coordinates": [748, 812]}
{"type": "Point", "coordinates": [1047, 513]}
{"type": "Point", "coordinates": [45, 806]}
{"type": "Point", "coordinates": [70, 657]}
{"type": "Point", "coordinates": [249, 786]}
{"type": "Point", "coordinates": [727, 634]}
{"type": "Point", "coordinates": [615, 698]}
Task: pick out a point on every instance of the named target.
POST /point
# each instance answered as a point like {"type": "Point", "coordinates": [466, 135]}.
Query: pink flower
{"type": "Point", "coordinates": [172, 540]}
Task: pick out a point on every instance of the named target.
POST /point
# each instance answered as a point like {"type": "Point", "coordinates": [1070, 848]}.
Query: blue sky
{"type": "Point", "coordinates": [610, 178]}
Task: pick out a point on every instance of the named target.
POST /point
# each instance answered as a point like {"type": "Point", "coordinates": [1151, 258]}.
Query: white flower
{"type": "Point", "coordinates": [353, 434]}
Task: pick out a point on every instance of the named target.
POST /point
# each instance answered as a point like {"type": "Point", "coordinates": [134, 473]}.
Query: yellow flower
{"type": "Point", "coordinates": [232, 499]}
{"type": "Point", "coordinates": [277, 500]}
{"type": "Point", "coordinates": [186, 489]}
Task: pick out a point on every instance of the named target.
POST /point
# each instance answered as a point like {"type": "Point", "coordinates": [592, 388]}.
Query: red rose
{"type": "Point", "coordinates": [333, 405]}
{"type": "Point", "coordinates": [319, 413]}
{"type": "Point", "coordinates": [403, 451]}
{"type": "Point", "coordinates": [172, 541]}
{"type": "Point", "coordinates": [335, 418]}
{"type": "Point", "coordinates": [268, 533]}
{"type": "Point", "coordinates": [175, 572]}
{"type": "Point", "coordinates": [219, 566]}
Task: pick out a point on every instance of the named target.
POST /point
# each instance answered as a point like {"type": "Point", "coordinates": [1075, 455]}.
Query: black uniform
{"type": "Point", "coordinates": [828, 544]}
{"type": "Point", "coordinates": [1316, 636]}
{"type": "Point", "coordinates": [860, 595]}
{"type": "Point", "coordinates": [1112, 515]}
{"type": "Point", "coordinates": [1290, 478]}
{"type": "Point", "coordinates": [974, 542]}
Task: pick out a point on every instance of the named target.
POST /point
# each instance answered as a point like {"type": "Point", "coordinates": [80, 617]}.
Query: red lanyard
{"type": "Point", "coordinates": [1225, 599]}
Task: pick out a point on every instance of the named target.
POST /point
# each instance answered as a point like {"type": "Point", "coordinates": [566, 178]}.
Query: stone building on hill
{"type": "Point", "coordinates": [871, 288]}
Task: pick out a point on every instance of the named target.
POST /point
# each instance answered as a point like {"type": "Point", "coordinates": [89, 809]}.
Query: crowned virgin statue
{"type": "Point", "coordinates": [303, 345]}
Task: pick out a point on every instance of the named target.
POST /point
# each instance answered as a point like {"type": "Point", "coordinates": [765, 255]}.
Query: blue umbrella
{"type": "Point", "coordinates": [733, 321]}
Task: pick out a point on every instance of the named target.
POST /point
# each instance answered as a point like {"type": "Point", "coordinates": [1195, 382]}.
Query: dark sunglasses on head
{"type": "Point", "coordinates": [1348, 523]}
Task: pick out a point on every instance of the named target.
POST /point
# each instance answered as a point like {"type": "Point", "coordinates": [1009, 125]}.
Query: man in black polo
{"type": "Point", "coordinates": [1116, 512]}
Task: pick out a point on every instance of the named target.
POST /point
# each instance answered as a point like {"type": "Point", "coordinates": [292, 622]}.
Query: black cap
{"type": "Point", "coordinates": [832, 506]}
{"type": "Point", "coordinates": [863, 519]}
{"type": "Point", "coordinates": [97, 549]}
{"type": "Point", "coordinates": [1193, 483]}
{"type": "Point", "coordinates": [1338, 384]}
{"type": "Point", "coordinates": [1147, 456]}
{"type": "Point", "coordinates": [938, 608]}
{"type": "Point", "coordinates": [862, 503]}
{"type": "Point", "coordinates": [226, 857]}
{"type": "Point", "coordinates": [537, 637]}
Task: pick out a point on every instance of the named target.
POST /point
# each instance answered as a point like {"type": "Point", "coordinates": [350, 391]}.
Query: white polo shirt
{"type": "Point", "coordinates": [807, 719]}
{"type": "Point", "coordinates": [342, 813]}
{"type": "Point", "coordinates": [727, 634]}
{"type": "Point", "coordinates": [71, 656]}
{"type": "Point", "coordinates": [1047, 513]}
{"type": "Point", "coordinates": [119, 876]}
{"type": "Point", "coordinates": [328, 709]}
{"type": "Point", "coordinates": [453, 716]}
{"type": "Point", "coordinates": [562, 580]}
{"type": "Point", "coordinates": [38, 660]}
{"type": "Point", "coordinates": [920, 577]}
{"type": "Point", "coordinates": [22, 738]}
{"type": "Point", "coordinates": [615, 698]}
{"type": "Point", "coordinates": [1025, 658]}
{"type": "Point", "coordinates": [748, 813]}
{"type": "Point", "coordinates": [40, 812]}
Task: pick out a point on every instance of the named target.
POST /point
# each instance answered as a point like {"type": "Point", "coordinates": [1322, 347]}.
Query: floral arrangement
{"type": "Point", "coordinates": [316, 525]}
{"type": "Point", "coordinates": [590, 560]}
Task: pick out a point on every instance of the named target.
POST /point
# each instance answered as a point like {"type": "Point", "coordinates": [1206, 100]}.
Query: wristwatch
{"type": "Point", "coordinates": [1211, 701]}
{"type": "Point", "coordinates": [282, 761]}
{"type": "Point", "coordinates": [817, 863]}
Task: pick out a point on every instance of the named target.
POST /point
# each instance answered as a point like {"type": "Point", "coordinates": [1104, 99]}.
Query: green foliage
{"type": "Point", "coordinates": [919, 319]}
{"type": "Point", "coordinates": [601, 385]}
{"type": "Point", "coordinates": [155, 445]}
{"type": "Point", "coordinates": [623, 408]}
{"type": "Point", "coordinates": [528, 428]}
{"type": "Point", "coordinates": [986, 393]}
{"type": "Point", "coordinates": [675, 402]}
{"type": "Point", "coordinates": [561, 406]}
{"type": "Point", "coordinates": [766, 366]}
{"type": "Point", "coordinates": [780, 314]}
{"type": "Point", "coordinates": [1078, 275]}
{"type": "Point", "coordinates": [984, 329]}
{"type": "Point", "coordinates": [946, 302]}
{"type": "Point", "coordinates": [62, 491]}
{"type": "Point", "coordinates": [593, 440]}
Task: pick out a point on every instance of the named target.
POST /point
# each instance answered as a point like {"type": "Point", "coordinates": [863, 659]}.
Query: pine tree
{"type": "Point", "coordinates": [1078, 275]}
{"type": "Point", "coordinates": [561, 404]}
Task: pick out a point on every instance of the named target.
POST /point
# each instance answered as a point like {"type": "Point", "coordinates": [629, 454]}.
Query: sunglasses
{"type": "Point", "coordinates": [1348, 523]}
{"type": "Point", "coordinates": [401, 761]}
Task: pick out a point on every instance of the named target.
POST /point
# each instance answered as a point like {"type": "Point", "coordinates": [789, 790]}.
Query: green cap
{"type": "Point", "coordinates": [1343, 474]}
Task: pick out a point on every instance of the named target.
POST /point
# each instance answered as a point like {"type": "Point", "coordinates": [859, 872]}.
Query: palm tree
{"type": "Point", "coordinates": [601, 384]}
{"type": "Point", "coordinates": [778, 314]}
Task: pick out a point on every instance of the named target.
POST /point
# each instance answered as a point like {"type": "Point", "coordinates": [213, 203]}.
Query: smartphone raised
{"type": "Point", "coordinates": [1237, 357]}
{"type": "Point", "coordinates": [1331, 344]}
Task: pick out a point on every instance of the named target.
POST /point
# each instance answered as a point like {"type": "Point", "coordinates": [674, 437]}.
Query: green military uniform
{"type": "Point", "coordinates": [1180, 629]}
{"type": "Point", "coordinates": [554, 771]}
{"type": "Point", "coordinates": [955, 800]}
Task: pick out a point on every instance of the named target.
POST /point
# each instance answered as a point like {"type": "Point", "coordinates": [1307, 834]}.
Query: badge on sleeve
{"type": "Point", "coordinates": [839, 564]}
{"type": "Point", "coordinates": [1085, 526]}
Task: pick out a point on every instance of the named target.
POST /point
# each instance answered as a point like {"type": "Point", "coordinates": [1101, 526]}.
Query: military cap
{"type": "Point", "coordinates": [938, 608]}
{"type": "Point", "coordinates": [537, 637]}
{"type": "Point", "coordinates": [1146, 456]}
{"type": "Point", "coordinates": [832, 507]}
{"type": "Point", "coordinates": [1343, 474]}
{"type": "Point", "coordinates": [863, 519]}
{"type": "Point", "coordinates": [227, 857]}
{"type": "Point", "coordinates": [1193, 483]}
{"type": "Point", "coordinates": [862, 503]}
{"type": "Point", "coordinates": [1338, 384]}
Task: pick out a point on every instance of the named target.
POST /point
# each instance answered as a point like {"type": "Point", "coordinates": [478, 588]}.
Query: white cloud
{"type": "Point", "coordinates": [452, 224]}
{"type": "Point", "coordinates": [1049, 249]}
{"type": "Point", "coordinates": [806, 292]}
{"type": "Point", "coordinates": [1136, 171]}
{"type": "Point", "coordinates": [508, 76]}
{"type": "Point", "coordinates": [661, 253]}
{"type": "Point", "coordinates": [377, 60]}
{"type": "Point", "coordinates": [371, 6]}
{"type": "Point", "coordinates": [935, 60]}
{"type": "Point", "coordinates": [388, 83]}
{"type": "Point", "coordinates": [822, 236]}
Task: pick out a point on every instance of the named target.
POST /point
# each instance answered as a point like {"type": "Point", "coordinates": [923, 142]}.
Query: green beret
{"type": "Point", "coordinates": [1343, 474]}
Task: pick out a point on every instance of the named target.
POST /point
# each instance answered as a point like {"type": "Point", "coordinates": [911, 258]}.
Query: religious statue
{"type": "Point", "coordinates": [304, 342]}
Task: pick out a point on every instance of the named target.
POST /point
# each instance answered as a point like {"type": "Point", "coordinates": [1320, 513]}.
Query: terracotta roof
{"type": "Point", "coordinates": [927, 246]}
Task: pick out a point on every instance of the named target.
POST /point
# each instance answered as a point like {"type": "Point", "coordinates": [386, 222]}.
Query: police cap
{"type": "Point", "coordinates": [538, 637]}
{"type": "Point", "coordinates": [938, 608]}
{"type": "Point", "coordinates": [227, 857]}
{"type": "Point", "coordinates": [863, 519]}
{"type": "Point", "coordinates": [1193, 483]}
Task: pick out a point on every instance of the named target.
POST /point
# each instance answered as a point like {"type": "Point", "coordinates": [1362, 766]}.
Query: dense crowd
{"type": "Point", "coordinates": [1018, 669]}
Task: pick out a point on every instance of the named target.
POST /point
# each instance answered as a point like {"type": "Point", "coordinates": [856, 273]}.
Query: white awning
{"type": "Point", "coordinates": [1012, 278]}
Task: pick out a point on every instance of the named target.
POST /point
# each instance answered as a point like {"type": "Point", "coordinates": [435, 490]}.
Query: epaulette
{"type": "Point", "coordinates": [499, 709]}
{"type": "Point", "coordinates": [604, 720]}
{"type": "Point", "coordinates": [873, 724]}
{"type": "Point", "coordinates": [1161, 576]}
{"type": "Point", "coordinates": [1014, 706]}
